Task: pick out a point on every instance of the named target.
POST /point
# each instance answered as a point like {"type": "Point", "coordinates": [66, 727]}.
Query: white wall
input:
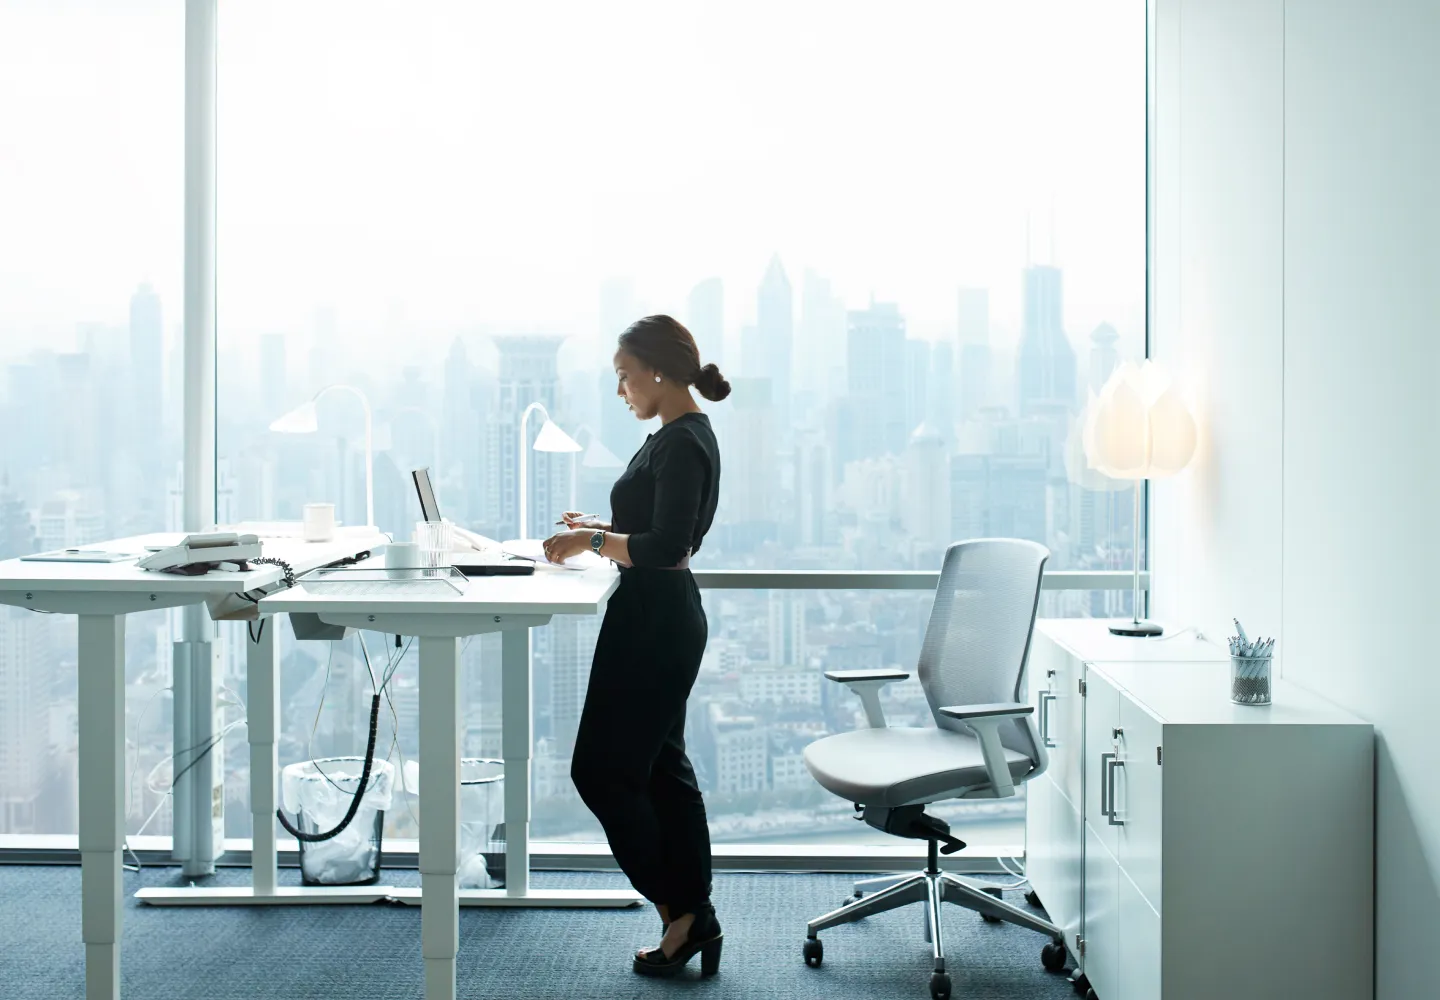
{"type": "Point", "coordinates": [1298, 220]}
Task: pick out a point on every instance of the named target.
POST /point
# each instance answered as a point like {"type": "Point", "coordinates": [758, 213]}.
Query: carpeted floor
{"type": "Point", "coordinates": [373, 952]}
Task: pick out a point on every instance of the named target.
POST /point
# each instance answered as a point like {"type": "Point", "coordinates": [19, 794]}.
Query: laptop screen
{"type": "Point", "coordinates": [429, 509]}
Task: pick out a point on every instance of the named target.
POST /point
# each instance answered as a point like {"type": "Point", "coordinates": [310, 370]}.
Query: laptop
{"type": "Point", "coordinates": [468, 561]}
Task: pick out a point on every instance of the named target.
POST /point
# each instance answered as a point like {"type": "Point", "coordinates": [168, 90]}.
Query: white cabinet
{"type": "Point", "coordinates": [1208, 845]}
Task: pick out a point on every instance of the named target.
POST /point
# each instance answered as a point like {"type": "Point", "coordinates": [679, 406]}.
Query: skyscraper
{"type": "Point", "coordinates": [705, 318]}
{"type": "Point", "coordinates": [875, 362]}
{"type": "Point", "coordinates": [926, 501]}
{"type": "Point", "coordinates": [18, 536]}
{"type": "Point", "coordinates": [274, 376]}
{"type": "Point", "coordinates": [147, 379]}
{"type": "Point", "coordinates": [1104, 358]}
{"type": "Point", "coordinates": [972, 347]}
{"type": "Point", "coordinates": [820, 339]}
{"type": "Point", "coordinates": [527, 375]}
{"type": "Point", "coordinates": [775, 327]}
{"type": "Point", "coordinates": [1046, 362]}
{"type": "Point", "coordinates": [26, 665]}
{"type": "Point", "coordinates": [787, 628]}
{"type": "Point", "coordinates": [917, 382]}
{"type": "Point", "coordinates": [619, 429]}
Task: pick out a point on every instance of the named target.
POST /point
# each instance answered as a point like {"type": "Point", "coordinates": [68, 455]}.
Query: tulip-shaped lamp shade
{"type": "Point", "coordinates": [1138, 428]}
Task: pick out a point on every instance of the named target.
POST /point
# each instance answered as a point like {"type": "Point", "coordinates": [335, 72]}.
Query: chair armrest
{"type": "Point", "coordinates": [867, 684]}
{"type": "Point", "coordinates": [985, 720]}
{"type": "Point", "coordinates": [1005, 709]}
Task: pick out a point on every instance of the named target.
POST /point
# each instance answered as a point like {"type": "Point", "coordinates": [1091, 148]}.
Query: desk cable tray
{"type": "Point", "coordinates": [374, 581]}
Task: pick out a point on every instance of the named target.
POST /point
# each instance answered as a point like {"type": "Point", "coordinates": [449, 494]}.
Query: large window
{"type": "Point", "coordinates": [91, 159]}
{"type": "Point", "coordinates": [913, 238]}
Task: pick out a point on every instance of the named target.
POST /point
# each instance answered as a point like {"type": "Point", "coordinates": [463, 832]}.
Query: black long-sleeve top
{"type": "Point", "coordinates": [665, 500]}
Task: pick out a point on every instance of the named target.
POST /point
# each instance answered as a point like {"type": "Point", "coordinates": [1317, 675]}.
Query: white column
{"type": "Point", "coordinates": [516, 749]}
{"type": "Point", "coordinates": [101, 710]}
{"type": "Point", "coordinates": [192, 806]}
{"type": "Point", "coordinates": [439, 813]}
{"type": "Point", "coordinates": [262, 713]}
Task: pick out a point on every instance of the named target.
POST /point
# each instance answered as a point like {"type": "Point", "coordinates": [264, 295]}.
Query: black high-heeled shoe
{"type": "Point", "coordinates": [704, 937]}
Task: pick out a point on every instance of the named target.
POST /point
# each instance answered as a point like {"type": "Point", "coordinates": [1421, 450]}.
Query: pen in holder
{"type": "Point", "coordinates": [1250, 668]}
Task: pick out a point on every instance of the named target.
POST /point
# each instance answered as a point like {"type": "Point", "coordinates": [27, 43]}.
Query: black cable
{"type": "Point", "coordinates": [271, 561]}
{"type": "Point", "coordinates": [315, 838]}
{"type": "Point", "coordinates": [255, 636]}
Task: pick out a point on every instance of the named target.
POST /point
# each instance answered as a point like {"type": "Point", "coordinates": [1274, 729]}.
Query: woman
{"type": "Point", "coordinates": [629, 764]}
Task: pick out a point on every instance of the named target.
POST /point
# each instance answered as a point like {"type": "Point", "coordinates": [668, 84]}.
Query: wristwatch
{"type": "Point", "coordinates": [597, 541]}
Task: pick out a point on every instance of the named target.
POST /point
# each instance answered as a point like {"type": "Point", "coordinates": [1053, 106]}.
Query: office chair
{"type": "Point", "coordinates": [984, 741]}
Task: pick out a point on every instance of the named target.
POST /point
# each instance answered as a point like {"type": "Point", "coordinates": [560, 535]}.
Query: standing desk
{"type": "Point", "coordinates": [101, 595]}
{"type": "Point", "coordinates": [510, 605]}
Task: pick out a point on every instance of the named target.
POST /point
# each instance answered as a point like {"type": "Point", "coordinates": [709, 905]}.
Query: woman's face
{"type": "Point", "coordinates": [635, 383]}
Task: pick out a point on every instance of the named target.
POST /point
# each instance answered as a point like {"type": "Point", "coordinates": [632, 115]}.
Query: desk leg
{"type": "Point", "coordinates": [439, 813]}
{"type": "Point", "coordinates": [101, 711]}
{"type": "Point", "coordinates": [516, 750]}
{"type": "Point", "coordinates": [262, 713]}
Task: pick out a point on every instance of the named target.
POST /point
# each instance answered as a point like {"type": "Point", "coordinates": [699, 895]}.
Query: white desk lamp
{"type": "Point", "coordinates": [552, 439]}
{"type": "Point", "coordinates": [304, 420]}
{"type": "Point", "coordinates": [1138, 428]}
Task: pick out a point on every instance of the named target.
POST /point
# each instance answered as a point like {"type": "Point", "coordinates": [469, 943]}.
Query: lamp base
{"type": "Point", "coordinates": [1137, 630]}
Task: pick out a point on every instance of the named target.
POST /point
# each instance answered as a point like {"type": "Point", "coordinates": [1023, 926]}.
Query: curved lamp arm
{"type": "Point", "coordinates": [369, 449]}
{"type": "Point", "coordinates": [524, 464]}
{"type": "Point", "coordinates": [302, 420]}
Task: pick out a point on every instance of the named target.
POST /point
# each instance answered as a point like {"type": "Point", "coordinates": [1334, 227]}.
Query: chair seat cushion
{"type": "Point", "coordinates": [900, 766]}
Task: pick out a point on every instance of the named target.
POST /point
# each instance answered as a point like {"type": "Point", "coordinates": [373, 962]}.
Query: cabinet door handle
{"type": "Point", "coordinates": [1046, 697]}
{"type": "Point", "coordinates": [1105, 760]}
{"type": "Point", "coordinates": [1115, 765]}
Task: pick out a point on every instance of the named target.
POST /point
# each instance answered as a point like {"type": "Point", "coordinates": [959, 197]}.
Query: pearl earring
{"type": "Point", "coordinates": [657, 378]}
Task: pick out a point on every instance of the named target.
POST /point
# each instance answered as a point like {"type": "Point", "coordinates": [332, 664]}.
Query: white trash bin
{"type": "Point", "coordinates": [482, 812]}
{"type": "Point", "coordinates": [318, 794]}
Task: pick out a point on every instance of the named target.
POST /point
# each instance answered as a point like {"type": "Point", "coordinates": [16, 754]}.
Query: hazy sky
{"type": "Point", "coordinates": [438, 166]}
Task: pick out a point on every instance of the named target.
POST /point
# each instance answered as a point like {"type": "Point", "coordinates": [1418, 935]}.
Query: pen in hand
{"type": "Point", "coordinates": [579, 517]}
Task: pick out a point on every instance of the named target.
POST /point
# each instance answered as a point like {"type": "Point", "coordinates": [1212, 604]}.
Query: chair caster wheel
{"type": "Point", "coordinates": [940, 985]}
{"type": "Point", "coordinates": [998, 894]}
{"type": "Point", "coordinates": [814, 952]}
{"type": "Point", "coordinates": [1090, 995]}
{"type": "Point", "coordinates": [1033, 898]}
{"type": "Point", "coordinates": [1081, 982]}
{"type": "Point", "coordinates": [1052, 957]}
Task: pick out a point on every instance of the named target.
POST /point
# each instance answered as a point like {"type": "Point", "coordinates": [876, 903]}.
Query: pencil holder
{"type": "Point", "coordinates": [1250, 680]}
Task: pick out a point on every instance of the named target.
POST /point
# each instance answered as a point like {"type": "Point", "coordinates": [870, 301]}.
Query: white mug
{"type": "Point", "coordinates": [403, 555]}
{"type": "Point", "coordinates": [319, 521]}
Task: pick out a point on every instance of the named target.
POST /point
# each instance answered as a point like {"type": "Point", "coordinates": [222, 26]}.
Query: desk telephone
{"type": "Point", "coordinates": [198, 553]}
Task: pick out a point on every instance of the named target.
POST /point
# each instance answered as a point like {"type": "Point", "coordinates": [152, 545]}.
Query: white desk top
{"type": "Point", "coordinates": [545, 592]}
{"type": "Point", "coordinates": [1198, 694]}
{"type": "Point", "coordinates": [76, 577]}
{"type": "Point", "coordinates": [1090, 640]}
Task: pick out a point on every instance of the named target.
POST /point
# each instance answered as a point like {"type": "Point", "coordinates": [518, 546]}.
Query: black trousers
{"type": "Point", "coordinates": [629, 764]}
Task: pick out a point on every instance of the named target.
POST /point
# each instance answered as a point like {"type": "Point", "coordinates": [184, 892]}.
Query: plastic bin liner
{"type": "Point", "coordinates": [318, 793]}
{"type": "Point", "coordinates": [482, 810]}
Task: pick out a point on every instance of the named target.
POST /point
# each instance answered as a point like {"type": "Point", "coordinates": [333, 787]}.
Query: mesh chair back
{"type": "Point", "coordinates": [978, 637]}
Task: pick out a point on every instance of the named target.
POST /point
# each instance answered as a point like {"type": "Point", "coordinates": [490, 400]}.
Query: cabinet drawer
{"type": "Point", "coordinates": [1055, 691]}
{"type": "Point", "coordinates": [1054, 836]}
{"type": "Point", "coordinates": [1139, 972]}
{"type": "Point", "coordinates": [1102, 719]}
{"type": "Point", "coordinates": [1138, 792]}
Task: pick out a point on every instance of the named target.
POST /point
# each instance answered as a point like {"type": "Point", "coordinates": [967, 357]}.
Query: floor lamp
{"type": "Point", "coordinates": [305, 420]}
{"type": "Point", "coordinates": [550, 439]}
{"type": "Point", "coordinates": [1138, 428]}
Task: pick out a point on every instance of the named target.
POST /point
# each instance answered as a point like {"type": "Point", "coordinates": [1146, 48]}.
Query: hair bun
{"type": "Point", "coordinates": [712, 384]}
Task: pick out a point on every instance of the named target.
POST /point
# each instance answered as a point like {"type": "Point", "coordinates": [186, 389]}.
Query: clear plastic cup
{"type": "Point", "coordinates": [436, 540]}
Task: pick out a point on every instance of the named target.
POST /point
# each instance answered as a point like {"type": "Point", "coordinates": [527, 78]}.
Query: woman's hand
{"type": "Point", "coordinates": [564, 544]}
{"type": "Point", "coordinates": [577, 519]}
